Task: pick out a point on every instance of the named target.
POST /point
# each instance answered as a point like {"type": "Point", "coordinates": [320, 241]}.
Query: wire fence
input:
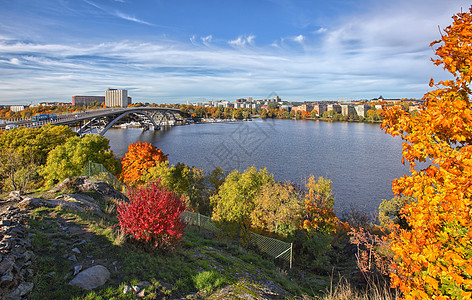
{"type": "Point", "coordinates": [277, 249]}
{"type": "Point", "coordinates": [99, 172]}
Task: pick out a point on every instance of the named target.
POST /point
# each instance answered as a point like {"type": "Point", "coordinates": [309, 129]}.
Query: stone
{"type": "Point", "coordinates": [127, 289]}
{"type": "Point", "coordinates": [23, 289]}
{"type": "Point", "coordinates": [72, 258]}
{"type": "Point", "coordinates": [76, 250]}
{"type": "Point", "coordinates": [77, 269]}
{"type": "Point", "coordinates": [141, 294]}
{"type": "Point", "coordinates": [91, 278]}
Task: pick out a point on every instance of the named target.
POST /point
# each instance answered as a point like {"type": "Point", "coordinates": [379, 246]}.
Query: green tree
{"type": "Point", "coordinates": [234, 201]}
{"type": "Point", "coordinates": [70, 158]}
{"type": "Point", "coordinates": [389, 211]}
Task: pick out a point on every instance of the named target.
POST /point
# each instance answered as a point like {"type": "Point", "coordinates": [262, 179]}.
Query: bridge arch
{"type": "Point", "coordinates": [90, 125]}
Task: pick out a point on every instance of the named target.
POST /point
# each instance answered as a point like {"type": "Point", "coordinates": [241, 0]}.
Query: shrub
{"type": "Point", "coordinates": [152, 215]}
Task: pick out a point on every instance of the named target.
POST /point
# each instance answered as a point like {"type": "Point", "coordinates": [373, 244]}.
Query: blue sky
{"type": "Point", "coordinates": [188, 50]}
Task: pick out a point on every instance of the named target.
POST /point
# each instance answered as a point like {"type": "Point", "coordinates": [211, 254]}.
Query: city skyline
{"type": "Point", "coordinates": [176, 51]}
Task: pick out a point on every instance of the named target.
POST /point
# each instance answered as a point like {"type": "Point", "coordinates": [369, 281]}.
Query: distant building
{"type": "Point", "coordinates": [335, 107]}
{"type": "Point", "coordinates": [114, 97]}
{"type": "Point", "coordinates": [347, 109]}
{"type": "Point", "coordinates": [362, 110]}
{"type": "Point", "coordinates": [86, 100]}
{"type": "Point", "coordinates": [17, 108]}
{"type": "Point", "coordinates": [320, 109]}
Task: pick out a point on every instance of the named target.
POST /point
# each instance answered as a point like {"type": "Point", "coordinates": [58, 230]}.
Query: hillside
{"type": "Point", "coordinates": [50, 239]}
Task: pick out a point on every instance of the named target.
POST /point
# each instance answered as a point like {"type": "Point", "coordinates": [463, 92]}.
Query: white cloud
{"type": "Point", "coordinates": [124, 16]}
{"type": "Point", "coordinates": [299, 39]}
{"type": "Point", "coordinates": [207, 39]}
{"type": "Point", "coordinates": [243, 41]}
{"type": "Point", "coordinates": [15, 61]}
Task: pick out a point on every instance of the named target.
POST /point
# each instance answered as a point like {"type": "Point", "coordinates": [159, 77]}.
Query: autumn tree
{"type": "Point", "coordinates": [18, 173]}
{"type": "Point", "coordinates": [277, 209]}
{"type": "Point", "coordinates": [433, 259]}
{"type": "Point", "coordinates": [70, 158]}
{"type": "Point", "coordinates": [140, 157]}
{"type": "Point", "coordinates": [191, 183]}
{"type": "Point", "coordinates": [35, 142]}
{"type": "Point", "coordinates": [234, 201]}
{"type": "Point", "coordinates": [319, 215]}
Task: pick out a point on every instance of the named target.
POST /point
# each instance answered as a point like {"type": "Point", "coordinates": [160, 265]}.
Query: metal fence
{"type": "Point", "coordinates": [99, 172]}
{"type": "Point", "coordinates": [275, 248]}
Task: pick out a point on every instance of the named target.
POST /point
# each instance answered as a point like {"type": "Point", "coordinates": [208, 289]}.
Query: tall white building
{"type": "Point", "coordinates": [114, 97]}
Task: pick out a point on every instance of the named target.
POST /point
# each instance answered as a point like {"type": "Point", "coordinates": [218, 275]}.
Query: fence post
{"type": "Point", "coordinates": [291, 254]}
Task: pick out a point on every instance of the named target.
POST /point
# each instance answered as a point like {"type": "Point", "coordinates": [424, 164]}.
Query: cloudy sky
{"type": "Point", "coordinates": [188, 50]}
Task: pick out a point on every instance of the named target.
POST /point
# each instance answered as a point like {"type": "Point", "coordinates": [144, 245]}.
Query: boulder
{"type": "Point", "coordinates": [91, 278]}
{"type": "Point", "coordinates": [85, 184]}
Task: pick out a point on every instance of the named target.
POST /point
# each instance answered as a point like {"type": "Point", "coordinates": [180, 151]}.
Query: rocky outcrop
{"type": "Point", "coordinates": [75, 202]}
{"type": "Point", "coordinates": [16, 273]}
{"type": "Point", "coordinates": [85, 184]}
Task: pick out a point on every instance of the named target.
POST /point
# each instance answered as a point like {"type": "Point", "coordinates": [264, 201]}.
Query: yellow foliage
{"type": "Point", "coordinates": [433, 258]}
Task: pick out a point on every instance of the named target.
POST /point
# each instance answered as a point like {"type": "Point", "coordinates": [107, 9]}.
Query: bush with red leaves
{"type": "Point", "coordinates": [153, 215]}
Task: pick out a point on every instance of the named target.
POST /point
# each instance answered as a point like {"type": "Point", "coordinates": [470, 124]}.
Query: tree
{"type": "Point", "coordinates": [70, 158]}
{"type": "Point", "coordinates": [18, 173]}
{"type": "Point", "coordinates": [188, 182]}
{"type": "Point", "coordinates": [153, 215]}
{"type": "Point", "coordinates": [139, 158]}
{"type": "Point", "coordinates": [234, 201]}
{"type": "Point", "coordinates": [277, 209]}
{"type": "Point", "coordinates": [35, 142]}
{"type": "Point", "coordinates": [434, 257]}
{"type": "Point", "coordinates": [319, 214]}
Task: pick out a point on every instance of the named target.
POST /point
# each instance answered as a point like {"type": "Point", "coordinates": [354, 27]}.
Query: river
{"type": "Point", "coordinates": [359, 158]}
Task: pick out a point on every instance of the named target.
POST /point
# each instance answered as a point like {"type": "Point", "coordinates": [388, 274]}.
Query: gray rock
{"type": "Point", "coordinates": [23, 289]}
{"type": "Point", "coordinates": [91, 278]}
{"type": "Point", "coordinates": [72, 258]}
{"type": "Point", "coordinates": [77, 269]}
{"type": "Point", "coordinates": [76, 250]}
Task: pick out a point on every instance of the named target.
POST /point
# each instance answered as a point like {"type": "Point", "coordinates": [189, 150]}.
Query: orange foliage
{"type": "Point", "coordinates": [139, 158]}
{"type": "Point", "coordinates": [319, 214]}
{"type": "Point", "coordinates": [434, 258]}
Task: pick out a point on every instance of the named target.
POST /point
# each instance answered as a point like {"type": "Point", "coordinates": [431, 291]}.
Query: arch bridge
{"type": "Point", "coordinates": [100, 121]}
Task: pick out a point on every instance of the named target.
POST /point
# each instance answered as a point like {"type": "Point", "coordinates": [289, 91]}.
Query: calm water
{"type": "Point", "coordinates": [359, 158]}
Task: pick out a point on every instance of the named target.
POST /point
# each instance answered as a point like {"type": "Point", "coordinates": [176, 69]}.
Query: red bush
{"type": "Point", "coordinates": [153, 215]}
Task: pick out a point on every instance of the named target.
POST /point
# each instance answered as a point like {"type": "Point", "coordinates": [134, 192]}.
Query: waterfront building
{"type": "Point", "coordinates": [347, 109]}
{"type": "Point", "coordinates": [320, 109]}
{"type": "Point", "coordinates": [362, 109]}
{"type": "Point", "coordinates": [87, 100]}
{"type": "Point", "coordinates": [114, 97]}
{"type": "Point", "coordinates": [335, 107]}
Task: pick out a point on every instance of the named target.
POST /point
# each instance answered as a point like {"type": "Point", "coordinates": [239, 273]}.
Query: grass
{"type": "Point", "coordinates": [201, 265]}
